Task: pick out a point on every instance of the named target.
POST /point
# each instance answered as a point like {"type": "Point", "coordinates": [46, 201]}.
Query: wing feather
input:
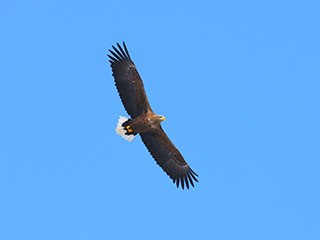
{"type": "Point", "coordinates": [123, 53]}
{"type": "Point", "coordinates": [128, 82]}
{"type": "Point", "coordinates": [168, 157]}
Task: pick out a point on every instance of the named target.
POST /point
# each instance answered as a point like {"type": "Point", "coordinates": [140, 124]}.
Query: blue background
{"type": "Point", "coordinates": [238, 82]}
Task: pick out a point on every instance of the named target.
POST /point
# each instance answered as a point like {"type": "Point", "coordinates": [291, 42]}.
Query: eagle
{"type": "Point", "coordinates": [144, 121]}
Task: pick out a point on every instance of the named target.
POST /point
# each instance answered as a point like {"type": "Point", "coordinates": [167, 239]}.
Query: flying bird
{"type": "Point", "coordinates": [144, 121]}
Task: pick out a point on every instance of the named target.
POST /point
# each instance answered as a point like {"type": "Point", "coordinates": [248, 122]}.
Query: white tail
{"type": "Point", "coordinates": [121, 130]}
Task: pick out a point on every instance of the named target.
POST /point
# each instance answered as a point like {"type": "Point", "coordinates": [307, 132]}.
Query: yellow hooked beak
{"type": "Point", "coordinates": [163, 118]}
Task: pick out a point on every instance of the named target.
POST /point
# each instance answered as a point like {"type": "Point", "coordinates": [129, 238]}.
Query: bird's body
{"type": "Point", "coordinates": [144, 121]}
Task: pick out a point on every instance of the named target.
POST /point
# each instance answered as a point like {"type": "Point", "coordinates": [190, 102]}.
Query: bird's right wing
{"type": "Point", "coordinates": [168, 157]}
{"type": "Point", "coordinates": [128, 82]}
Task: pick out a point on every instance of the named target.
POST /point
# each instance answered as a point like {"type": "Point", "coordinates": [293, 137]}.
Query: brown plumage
{"type": "Point", "coordinates": [144, 121]}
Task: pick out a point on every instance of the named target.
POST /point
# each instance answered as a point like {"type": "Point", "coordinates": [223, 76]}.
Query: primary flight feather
{"type": "Point", "coordinates": [144, 121]}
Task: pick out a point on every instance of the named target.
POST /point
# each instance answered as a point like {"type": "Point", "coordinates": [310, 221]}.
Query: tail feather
{"type": "Point", "coordinates": [122, 131]}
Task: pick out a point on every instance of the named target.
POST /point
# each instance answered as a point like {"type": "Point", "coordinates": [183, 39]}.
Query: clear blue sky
{"type": "Point", "coordinates": [239, 84]}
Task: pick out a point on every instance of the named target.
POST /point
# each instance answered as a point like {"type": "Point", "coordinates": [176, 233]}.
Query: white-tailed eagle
{"type": "Point", "coordinates": [144, 121]}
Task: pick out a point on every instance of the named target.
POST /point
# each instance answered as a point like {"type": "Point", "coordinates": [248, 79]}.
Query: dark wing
{"type": "Point", "coordinates": [128, 82]}
{"type": "Point", "coordinates": [168, 157]}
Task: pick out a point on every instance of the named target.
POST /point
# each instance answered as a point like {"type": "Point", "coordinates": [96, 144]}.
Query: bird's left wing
{"type": "Point", "coordinates": [128, 82]}
{"type": "Point", "coordinates": [168, 157]}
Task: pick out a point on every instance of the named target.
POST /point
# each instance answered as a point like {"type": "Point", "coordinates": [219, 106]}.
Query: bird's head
{"type": "Point", "coordinates": [158, 118]}
{"type": "Point", "coordinates": [162, 118]}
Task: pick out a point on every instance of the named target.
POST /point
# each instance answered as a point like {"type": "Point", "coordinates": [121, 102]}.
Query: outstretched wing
{"type": "Point", "coordinates": [128, 82]}
{"type": "Point", "coordinates": [168, 157]}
